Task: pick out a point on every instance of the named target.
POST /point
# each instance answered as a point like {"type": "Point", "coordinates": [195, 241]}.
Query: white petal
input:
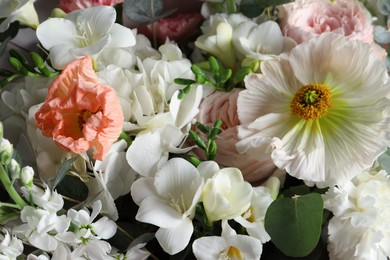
{"type": "Point", "coordinates": [143, 188]}
{"type": "Point", "coordinates": [206, 248]}
{"type": "Point", "coordinates": [158, 212]}
{"type": "Point", "coordinates": [121, 37]}
{"type": "Point", "coordinates": [174, 240]}
{"type": "Point", "coordinates": [50, 35]}
{"type": "Point", "coordinates": [104, 228]}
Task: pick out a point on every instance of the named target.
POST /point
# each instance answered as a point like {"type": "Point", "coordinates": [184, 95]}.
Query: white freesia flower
{"type": "Point", "coordinates": [217, 37]}
{"type": "Point", "coordinates": [360, 227]}
{"type": "Point", "coordinates": [226, 195]}
{"type": "Point", "coordinates": [168, 201]}
{"type": "Point", "coordinates": [321, 116]}
{"type": "Point", "coordinates": [113, 178]}
{"type": "Point", "coordinates": [253, 218]}
{"type": "Point", "coordinates": [228, 246]}
{"type": "Point", "coordinates": [10, 247]}
{"type": "Point", "coordinates": [260, 41]}
{"type": "Point", "coordinates": [18, 10]}
{"type": "Point", "coordinates": [88, 234]}
{"type": "Point", "coordinates": [83, 32]}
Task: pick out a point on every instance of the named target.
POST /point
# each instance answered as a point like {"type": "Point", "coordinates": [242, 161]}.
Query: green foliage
{"type": "Point", "coordinates": [209, 145]}
{"type": "Point", "coordinates": [23, 67]}
{"type": "Point", "coordinates": [301, 219]}
{"type": "Point", "coordinates": [63, 170]}
{"type": "Point", "coordinates": [214, 74]}
{"type": "Point", "coordinates": [7, 214]}
{"type": "Point", "coordinates": [73, 188]}
{"type": "Point", "coordinates": [145, 11]}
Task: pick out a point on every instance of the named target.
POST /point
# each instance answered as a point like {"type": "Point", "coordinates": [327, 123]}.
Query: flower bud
{"type": "Point", "coordinates": [14, 169]}
{"type": "Point", "coordinates": [27, 176]}
{"type": "Point", "coordinates": [6, 151]}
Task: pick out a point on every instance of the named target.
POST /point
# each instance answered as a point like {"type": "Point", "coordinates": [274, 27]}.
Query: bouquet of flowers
{"type": "Point", "coordinates": [222, 129]}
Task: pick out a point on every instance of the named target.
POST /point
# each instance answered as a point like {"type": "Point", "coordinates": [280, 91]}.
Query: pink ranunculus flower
{"type": "Point", "coordinates": [79, 112]}
{"type": "Point", "coordinates": [223, 105]}
{"type": "Point", "coordinates": [71, 5]}
{"type": "Point", "coordinates": [304, 19]}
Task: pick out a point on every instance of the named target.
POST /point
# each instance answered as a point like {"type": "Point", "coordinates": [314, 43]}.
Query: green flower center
{"type": "Point", "coordinates": [311, 101]}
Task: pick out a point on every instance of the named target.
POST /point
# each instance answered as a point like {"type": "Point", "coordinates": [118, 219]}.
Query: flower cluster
{"type": "Point", "coordinates": [228, 131]}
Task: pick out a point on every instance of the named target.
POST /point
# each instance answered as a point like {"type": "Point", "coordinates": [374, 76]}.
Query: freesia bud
{"type": "Point", "coordinates": [226, 195]}
{"type": "Point", "coordinates": [6, 151]}
{"type": "Point", "coordinates": [27, 176]}
{"type": "Point", "coordinates": [14, 169]}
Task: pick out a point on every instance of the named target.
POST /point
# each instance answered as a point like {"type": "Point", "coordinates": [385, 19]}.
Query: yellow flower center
{"type": "Point", "coordinates": [234, 253]}
{"type": "Point", "coordinates": [311, 101]}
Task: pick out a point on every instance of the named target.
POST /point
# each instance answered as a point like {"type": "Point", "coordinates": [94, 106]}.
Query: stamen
{"type": "Point", "coordinates": [311, 101]}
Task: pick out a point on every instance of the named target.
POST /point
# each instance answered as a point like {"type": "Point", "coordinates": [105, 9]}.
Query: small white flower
{"type": "Point", "coordinates": [10, 247]}
{"type": "Point", "coordinates": [83, 32]}
{"type": "Point", "coordinates": [88, 234]}
{"type": "Point", "coordinates": [226, 195]}
{"type": "Point", "coordinates": [228, 246]}
{"type": "Point", "coordinates": [45, 199]}
{"type": "Point", "coordinates": [19, 10]}
{"type": "Point", "coordinates": [360, 227]}
{"type": "Point", "coordinates": [168, 201]}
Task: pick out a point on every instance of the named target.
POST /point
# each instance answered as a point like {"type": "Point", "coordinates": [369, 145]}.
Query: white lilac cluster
{"type": "Point", "coordinates": [170, 197]}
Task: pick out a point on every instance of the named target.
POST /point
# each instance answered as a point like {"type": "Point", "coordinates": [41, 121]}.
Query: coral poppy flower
{"type": "Point", "coordinates": [79, 112]}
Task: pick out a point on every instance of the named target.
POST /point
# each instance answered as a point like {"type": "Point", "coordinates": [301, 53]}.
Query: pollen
{"type": "Point", "coordinates": [311, 101]}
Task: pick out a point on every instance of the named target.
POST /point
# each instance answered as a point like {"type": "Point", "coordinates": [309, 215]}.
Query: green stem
{"type": "Point", "coordinates": [10, 188]}
{"type": "Point", "coordinates": [231, 6]}
{"type": "Point", "coordinates": [9, 205]}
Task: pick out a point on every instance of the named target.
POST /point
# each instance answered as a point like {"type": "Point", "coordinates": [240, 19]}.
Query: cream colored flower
{"type": "Point", "coordinates": [360, 226]}
{"type": "Point", "coordinates": [320, 112]}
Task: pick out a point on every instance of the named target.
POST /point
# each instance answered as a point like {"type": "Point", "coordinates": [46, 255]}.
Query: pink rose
{"type": "Point", "coordinates": [305, 19]}
{"type": "Point", "coordinates": [79, 112]}
{"type": "Point", "coordinates": [71, 5]}
{"type": "Point", "coordinates": [222, 105]}
{"type": "Point", "coordinates": [180, 28]}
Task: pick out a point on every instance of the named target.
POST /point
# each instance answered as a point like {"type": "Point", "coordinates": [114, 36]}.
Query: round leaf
{"type": "Point", "coordinates": [294, 224]}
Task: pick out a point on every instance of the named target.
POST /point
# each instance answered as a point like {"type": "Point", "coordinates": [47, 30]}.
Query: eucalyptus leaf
{"type": "Point", "coordinates": [384, 160]}
{"type": "Point", "coordinates": [63, 170]}
{"type": "Point", "coordinates": [301, 219]}
{"type": "Point", "coordinates": [253, 8]}
{"type": "Point", "coordinates": [3, 45]}
{"type": "Point", "coordinates": [142, 11]}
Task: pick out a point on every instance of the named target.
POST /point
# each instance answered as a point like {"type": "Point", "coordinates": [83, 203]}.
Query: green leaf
{"type": "Point", "coordinates": [253, 8]}
{"type": "Point", "coordinates": [63, 170]}
{"type": "Point", "coordinates": [144, 11]}
{"type": "Point", "coordinates": [301, 219]}
{"type": "Point", "coordinates": [7, 214]}
{"type": "Point", "coordinates": [72, 187]}
{"type": "Point", "coordinates": [3, 45]}
{"type": "Point", "coordinates": [384, 160]}
{"type": "Point", "coordinates": [11, 32]}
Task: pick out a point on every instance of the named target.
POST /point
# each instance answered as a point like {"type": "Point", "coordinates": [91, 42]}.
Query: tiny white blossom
{"type": "Point", "coordinates": [10, 247]}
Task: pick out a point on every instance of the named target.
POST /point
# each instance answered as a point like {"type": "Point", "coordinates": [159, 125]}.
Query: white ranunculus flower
{"type": "Point", "coordinates": [83, 32]}
{"type": "Point", "coordinates": [360, 226]}
{"type": "Point", "coordinates": [226, 195]}
{"type": "Point", "coordinates": [18, 10]}
{"type": "Point", "coordinates": [10, 247]}
{"type": "Point", "coordinates": [228, 246]}
{"type": "Point", "coordinates": [320, 112]}
{"type": "Point", "coordinates": [168, 201]}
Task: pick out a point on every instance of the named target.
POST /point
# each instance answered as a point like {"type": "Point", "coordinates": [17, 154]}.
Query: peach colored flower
{"type": "Point", "coordinates": [222, 105]}
{"type": "Point", "coordinates": [71, 5]}
{"type": "Point", "coordinates": [79, 112]}
{"type": "Point", "coordinates": [304, 19]}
